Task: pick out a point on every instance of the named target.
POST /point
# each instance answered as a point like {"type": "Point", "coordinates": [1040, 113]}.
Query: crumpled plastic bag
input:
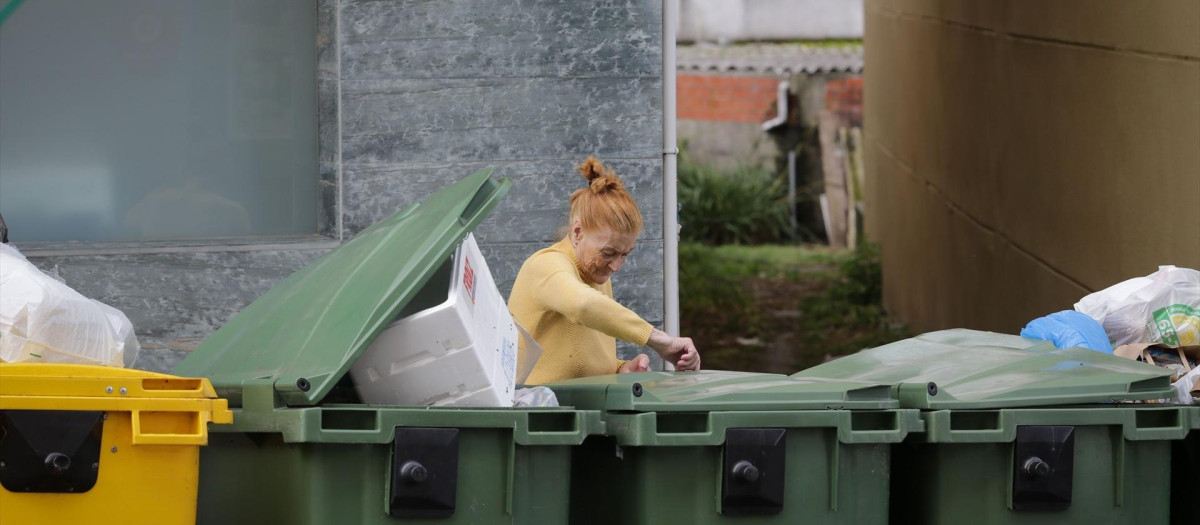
{"type": "Point", "coordinates": [45, 321]}
{"type": "Point", "coordinates": [535, 396]}
{"type": "Point", "coordinates": [1069, 329]}
{"type": "Point", "coordinates": [1184, 387]}
{"type": "Point", "coordinates": [1163, 307]}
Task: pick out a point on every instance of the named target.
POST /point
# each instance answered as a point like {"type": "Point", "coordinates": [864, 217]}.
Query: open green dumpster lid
{"type": "Point", "coordinates": [303, 334]}
{"type": "Point", "coordinates": [718, 391]}
{"type": "Point", "coordinates": [972, 369]}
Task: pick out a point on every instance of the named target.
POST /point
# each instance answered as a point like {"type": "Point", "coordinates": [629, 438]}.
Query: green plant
{"type": "Point", "coordinates": [712, 293]}
{"type": "Point", "coordinates": [781, 308]}
{"type": "Point", "coordinates": [862, 277]}
{"type": "Point", "coordinates": [849, 315]}
{"type": "Point", "coordinates": [747, 206]}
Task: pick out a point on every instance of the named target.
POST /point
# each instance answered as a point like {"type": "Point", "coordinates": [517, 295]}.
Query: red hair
{"type": "Point", "coordinates": [604, 202]}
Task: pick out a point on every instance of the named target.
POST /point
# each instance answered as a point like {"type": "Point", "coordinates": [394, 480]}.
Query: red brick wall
{"type": "Point", "coordinates": [844, 97]}
{"type": "Point", "coordinates": [726, 98]}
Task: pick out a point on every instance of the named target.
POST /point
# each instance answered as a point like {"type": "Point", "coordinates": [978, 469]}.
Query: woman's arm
{"type": "Point", "coordinates": [561, 291]}
{"type": "Point", "coordinates": [679, 351]}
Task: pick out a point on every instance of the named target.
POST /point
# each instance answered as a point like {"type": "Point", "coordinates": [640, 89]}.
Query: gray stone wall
{"type": "Point", "coordinates": [177, 297]}
{"type": "Point", "coordinates": [413, 96]}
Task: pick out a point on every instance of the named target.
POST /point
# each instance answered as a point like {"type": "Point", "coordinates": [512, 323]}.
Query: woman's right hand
{"type": "Point", "coordinates": [679, 351]}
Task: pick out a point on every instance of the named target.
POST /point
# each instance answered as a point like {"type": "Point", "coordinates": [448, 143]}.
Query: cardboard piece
{"type": "Point", "coordinates": [1188, 356]}
{"type": "Point", "coordinates": [1134, 351]}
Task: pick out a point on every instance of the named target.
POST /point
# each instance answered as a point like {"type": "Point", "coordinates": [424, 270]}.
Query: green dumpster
{"type": "Point", "coordinates": [1017, 431]}
{"type": "Point", "coordinates": [713, 446]}
{"type": "Point", "coordinates": [304, 450]}
{"type": "Point", "coordinates": [1185, 473]}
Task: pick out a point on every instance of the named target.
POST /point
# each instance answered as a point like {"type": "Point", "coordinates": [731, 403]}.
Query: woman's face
{"type": "Point", "coordinates": [600, 251]}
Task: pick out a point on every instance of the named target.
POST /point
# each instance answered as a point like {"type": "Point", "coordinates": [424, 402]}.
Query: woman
{"type": "Point", "coordinates": [563, 295]}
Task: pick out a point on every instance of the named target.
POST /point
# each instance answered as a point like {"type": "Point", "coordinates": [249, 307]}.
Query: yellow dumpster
{"type": "Point", "coordinates": [93, 444]}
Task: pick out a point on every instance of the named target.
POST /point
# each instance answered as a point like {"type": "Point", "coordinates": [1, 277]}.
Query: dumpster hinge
{"type": "Point", "coordinates": [1043, 467]}
{"type": "Point", "coordinates": [753, 471]}
{"type": "Point", "coordinates": [50, 451]}
{"type": "Point", "coordinates": [424, 473]}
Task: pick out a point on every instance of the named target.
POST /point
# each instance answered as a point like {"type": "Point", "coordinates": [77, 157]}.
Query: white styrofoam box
{"type": "Point", "coordinates": [454, 344]}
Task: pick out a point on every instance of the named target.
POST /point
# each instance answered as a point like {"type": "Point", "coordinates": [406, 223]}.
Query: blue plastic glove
{"type": "Point", "coordinates": [1067, 329]}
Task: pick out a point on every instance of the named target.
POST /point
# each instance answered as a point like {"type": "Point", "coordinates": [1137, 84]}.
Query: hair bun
{"type": "Point", "coordinates": [600, 178]}
{"type": "Point", "coordinates": [604, 202]}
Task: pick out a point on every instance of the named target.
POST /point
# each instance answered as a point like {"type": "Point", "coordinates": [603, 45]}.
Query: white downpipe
{"type": "Point", "coordinates": [781, 106]}
{"type": "Point", "coordinates": [670, 160]}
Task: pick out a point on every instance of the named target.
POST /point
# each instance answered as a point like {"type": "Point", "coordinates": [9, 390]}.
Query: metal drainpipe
{"type": "Point", "coordinates": [670, 160]}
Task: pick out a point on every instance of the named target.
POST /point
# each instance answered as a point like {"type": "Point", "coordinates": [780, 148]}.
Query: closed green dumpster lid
{"type": "Point", "coordinates": [716, 390]}
{"type": "Point", "coordinates": [303, 334]}
{"type": "Point", "coordinates": [972, 369]}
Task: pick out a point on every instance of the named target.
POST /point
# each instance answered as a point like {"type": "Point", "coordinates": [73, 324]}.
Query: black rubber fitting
{"type": "Point", "coordinates": [303, 384]}
{"type": "Point", "coordinates": [1037, 468]}
{"type": "Point", "coordinates": [745, 471]}
{"type": "Point", "coordinates": [414, 472]}
{"type": "Point", "coordinates": [57, 462]}
{"type": "Point", "coordinates": [637, 390]}
{"type": "Point", "coordinates": [931, 387]}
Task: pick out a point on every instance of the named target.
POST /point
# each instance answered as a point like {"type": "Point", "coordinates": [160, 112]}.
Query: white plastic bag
{"type": "Point", "coordinates": [535, 396]}
{"type": "Point", "coordinates": [1184, 387]}
{"type": "Point", "coordinates": [43, 320]}
{"type": "Point", "coordinates": [1163, 307]}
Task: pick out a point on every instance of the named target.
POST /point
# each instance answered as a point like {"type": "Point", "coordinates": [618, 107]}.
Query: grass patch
{"type": "Point", "coordinates": [777, 261]}
{"type": "Point", "coordinates": [781, 308]}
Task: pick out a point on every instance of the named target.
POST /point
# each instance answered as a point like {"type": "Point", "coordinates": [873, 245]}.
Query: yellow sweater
{"type": "Point", "coordinates": [575, 321]}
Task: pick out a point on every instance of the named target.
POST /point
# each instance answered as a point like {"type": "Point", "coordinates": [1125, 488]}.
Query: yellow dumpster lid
{"type": "Point", "coordinates": [68, 380]}
{"type": "Point", "coordinates": [163, 409]}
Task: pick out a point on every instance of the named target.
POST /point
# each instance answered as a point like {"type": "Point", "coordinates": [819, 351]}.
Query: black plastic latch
{"type": "Point", "coordinates": [424, 473]}
{"type": "Point", "coordinates": [754, 467]}
{"type": "Point", "coordinates": [1043, 468]}
{"type": "Point", "coordinates": [50, 451]}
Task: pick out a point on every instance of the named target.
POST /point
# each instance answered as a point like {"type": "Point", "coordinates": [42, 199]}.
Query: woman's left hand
{"type": "Point", "coordinates": [679, 351]}
{"type": "Point", "coordinates": [641, 363]}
